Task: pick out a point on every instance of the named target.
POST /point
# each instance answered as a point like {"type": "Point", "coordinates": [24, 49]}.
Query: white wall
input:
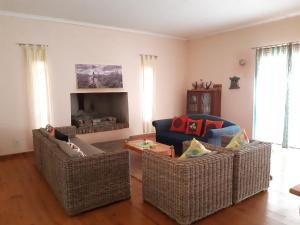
{"type": "Point", "coordinates": [216, 58]}
{"type": "Point", "coordinates": [179, 64]}
{"type": "Point", "coordinates": [72, 44]}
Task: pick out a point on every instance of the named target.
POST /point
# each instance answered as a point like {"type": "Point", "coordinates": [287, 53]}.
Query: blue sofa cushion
{"type": "Point", "coordinates": [179, 137]}
{"type": "Point", "coordinates": [176, 139]}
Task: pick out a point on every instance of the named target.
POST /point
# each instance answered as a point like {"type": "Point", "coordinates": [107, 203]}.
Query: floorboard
{"type": "Point", "coordinates": [26, 199]}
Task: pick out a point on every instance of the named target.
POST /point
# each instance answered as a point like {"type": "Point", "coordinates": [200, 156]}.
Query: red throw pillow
{"type": "Point", "coordinates": [193, 127]}
{"type": "Point", "coordinates": [179, 124]}
{"type": "Point", "coordinates": [209, 124]}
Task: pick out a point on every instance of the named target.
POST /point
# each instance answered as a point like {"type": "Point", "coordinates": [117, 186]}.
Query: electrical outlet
{"type": "Point", "coordinates": [16, 143]}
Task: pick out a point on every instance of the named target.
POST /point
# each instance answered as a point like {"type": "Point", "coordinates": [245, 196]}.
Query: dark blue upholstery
{"type": "Point", "coordinates": [213, 136]}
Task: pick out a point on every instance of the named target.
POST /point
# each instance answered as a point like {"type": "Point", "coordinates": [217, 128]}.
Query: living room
{"type": "Point", "coordinates": [183, 43]}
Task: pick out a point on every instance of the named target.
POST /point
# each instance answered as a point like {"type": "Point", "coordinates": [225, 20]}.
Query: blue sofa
{"type": "Point", "coordinates": [213, 136]}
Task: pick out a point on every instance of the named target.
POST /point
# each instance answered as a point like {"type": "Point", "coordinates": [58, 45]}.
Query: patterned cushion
{"type": "Point", "coordinates": [238, 140]}
{"type": "Point", "coordinates": [210, 124]}
{"type": "Point", "coordinates": [50, 129]}
{"type": "Point", "coordinates": [193, 127]}
{"type": "Point", "coordinates": [70, 149]}
{"type": "Point", "coordinates": [196, 149]}
{"type": "Point", "coordinates": [179, 124]}
{"type": "Point", "coordinates": [87, 149]}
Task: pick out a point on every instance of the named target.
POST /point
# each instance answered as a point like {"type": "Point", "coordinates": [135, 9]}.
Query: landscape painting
{"type": "Point", "coordinates": [99, 76]}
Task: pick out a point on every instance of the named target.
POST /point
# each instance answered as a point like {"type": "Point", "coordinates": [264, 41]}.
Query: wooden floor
{"type": "Point", "coordinates": [26, 199]}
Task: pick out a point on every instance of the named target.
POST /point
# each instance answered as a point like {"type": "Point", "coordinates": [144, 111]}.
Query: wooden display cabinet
{"type": "Point", "coordinates": [205, 101]}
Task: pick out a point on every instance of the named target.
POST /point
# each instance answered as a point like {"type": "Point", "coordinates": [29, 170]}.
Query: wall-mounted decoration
{"type": "Point", "coordinates": [242, 62]}
{"type": "Point", "coordinates": [99, 76]}
{"type": "Point", "coordinates": [234, 82]}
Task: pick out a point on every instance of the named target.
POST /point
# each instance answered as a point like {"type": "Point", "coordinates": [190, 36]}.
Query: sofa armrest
{"type": "Point", "coordinates": [214, 133]}
{"type": "Point", "coordinates": [68, 130]}
{"type": "Point", "coordinates": [162, 125]}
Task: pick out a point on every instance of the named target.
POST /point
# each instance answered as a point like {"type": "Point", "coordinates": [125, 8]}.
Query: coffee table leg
{"type": "Point", "coordinates": [172, 151]}
{"type": "Point", "coordinates": [136, 165]}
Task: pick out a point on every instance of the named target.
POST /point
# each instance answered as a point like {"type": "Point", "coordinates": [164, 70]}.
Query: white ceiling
{"type": "Point", "coordinates": [180, 18]}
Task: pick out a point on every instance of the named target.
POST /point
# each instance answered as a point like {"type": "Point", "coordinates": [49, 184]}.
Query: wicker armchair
{"type": "Point", "coordinates": [251, 167]}
{"type": "Point", "coordinates": [81, 184]}
{"type": "Point", "coordinates": [188, 190]}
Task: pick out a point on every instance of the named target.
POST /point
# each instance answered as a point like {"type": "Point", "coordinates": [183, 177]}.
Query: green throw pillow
{"type": "Point", "coordinates": [238, 140]}
{"type": "Point", "coordinates": [196, 149]}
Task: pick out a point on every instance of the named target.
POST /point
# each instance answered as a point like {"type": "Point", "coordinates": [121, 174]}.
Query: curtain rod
{"type": "Point", "coordinates": [276, 45]}
{"type": "Point", "coordinates": [21, 44]}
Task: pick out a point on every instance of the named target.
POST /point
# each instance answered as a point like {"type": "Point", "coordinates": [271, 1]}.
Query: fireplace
{"type": "Point", "coordinates": [96, 112]}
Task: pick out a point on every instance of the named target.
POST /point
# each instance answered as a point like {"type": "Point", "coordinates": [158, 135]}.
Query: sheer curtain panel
{"type": "Point", "coordinates": [270, 88]}
{"type": "Point", "coordinates": [37, 85]}
{"type": "Point", "coordinates": [148, 73]}
{"type": "Point", "coordinates": [277, 94]}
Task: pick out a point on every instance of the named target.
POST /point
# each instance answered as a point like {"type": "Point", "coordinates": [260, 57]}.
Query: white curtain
{"type": "Point", "coordinates": [277, 94]}
{"type": "Point", "coordinates": [270, 93]}
{"type": "Point", "coordinates": [148, 72]}
{"type": "Point", "coordinates": [37, 85]}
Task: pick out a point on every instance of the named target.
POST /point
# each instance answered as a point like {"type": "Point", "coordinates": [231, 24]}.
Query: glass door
{"type": "Point", "coordinates": [205, 103]}
{"type": "Point", "coordinates": [193, 103]}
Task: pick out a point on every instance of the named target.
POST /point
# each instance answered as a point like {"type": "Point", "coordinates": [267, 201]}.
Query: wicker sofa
{"type": "Point", "coordinates": [188, 190]}
{"type": "Point", "coordinates": [83, 183]}
{"type": "Point", "coordinates": [251, 167]}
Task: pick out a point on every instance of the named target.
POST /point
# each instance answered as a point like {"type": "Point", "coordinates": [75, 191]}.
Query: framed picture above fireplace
{"type": "Point", "coordinates": [99, 76]}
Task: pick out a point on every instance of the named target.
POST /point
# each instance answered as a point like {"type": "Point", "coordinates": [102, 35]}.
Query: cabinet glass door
{"type": "Point", "coordinates": [193, 104]}
{"type": "Point", "coordinates": [206, 103]}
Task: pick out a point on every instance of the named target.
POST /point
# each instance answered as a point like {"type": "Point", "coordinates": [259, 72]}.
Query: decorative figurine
{"type": "Point", "coordinates": [234, 82]}
{"type": "Point", "coordinates": [208, 84]}
{"type": "Point", "coordinates": [195, 85]}
{"type": "Point", "coordinates": [201, 86]}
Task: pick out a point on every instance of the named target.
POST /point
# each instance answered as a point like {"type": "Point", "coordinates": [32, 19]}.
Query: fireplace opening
{"type": "Point", "coordinates": [96, 112]}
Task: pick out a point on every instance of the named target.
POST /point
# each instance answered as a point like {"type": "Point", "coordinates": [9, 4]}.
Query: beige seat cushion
{"type": "Point", "coordinates": [87, 149]}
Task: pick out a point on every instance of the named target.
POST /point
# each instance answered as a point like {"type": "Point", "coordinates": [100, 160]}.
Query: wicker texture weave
{"type": "Point", "coordinates": [188, 190]}
{"type": "Point", "coordinates": [83, 183]}
{"type": "Point", "coordinates": [251, 170]}
{"type": "Point", "coordinates": [251, 167]}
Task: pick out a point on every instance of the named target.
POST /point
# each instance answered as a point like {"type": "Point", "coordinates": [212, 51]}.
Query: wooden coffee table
{"type": "Point", "coordinates": [295, 190]}
{"type": "Point", "coordinates": [136, 155]}
{"type": "Point", "coordinates": [157, 147]}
